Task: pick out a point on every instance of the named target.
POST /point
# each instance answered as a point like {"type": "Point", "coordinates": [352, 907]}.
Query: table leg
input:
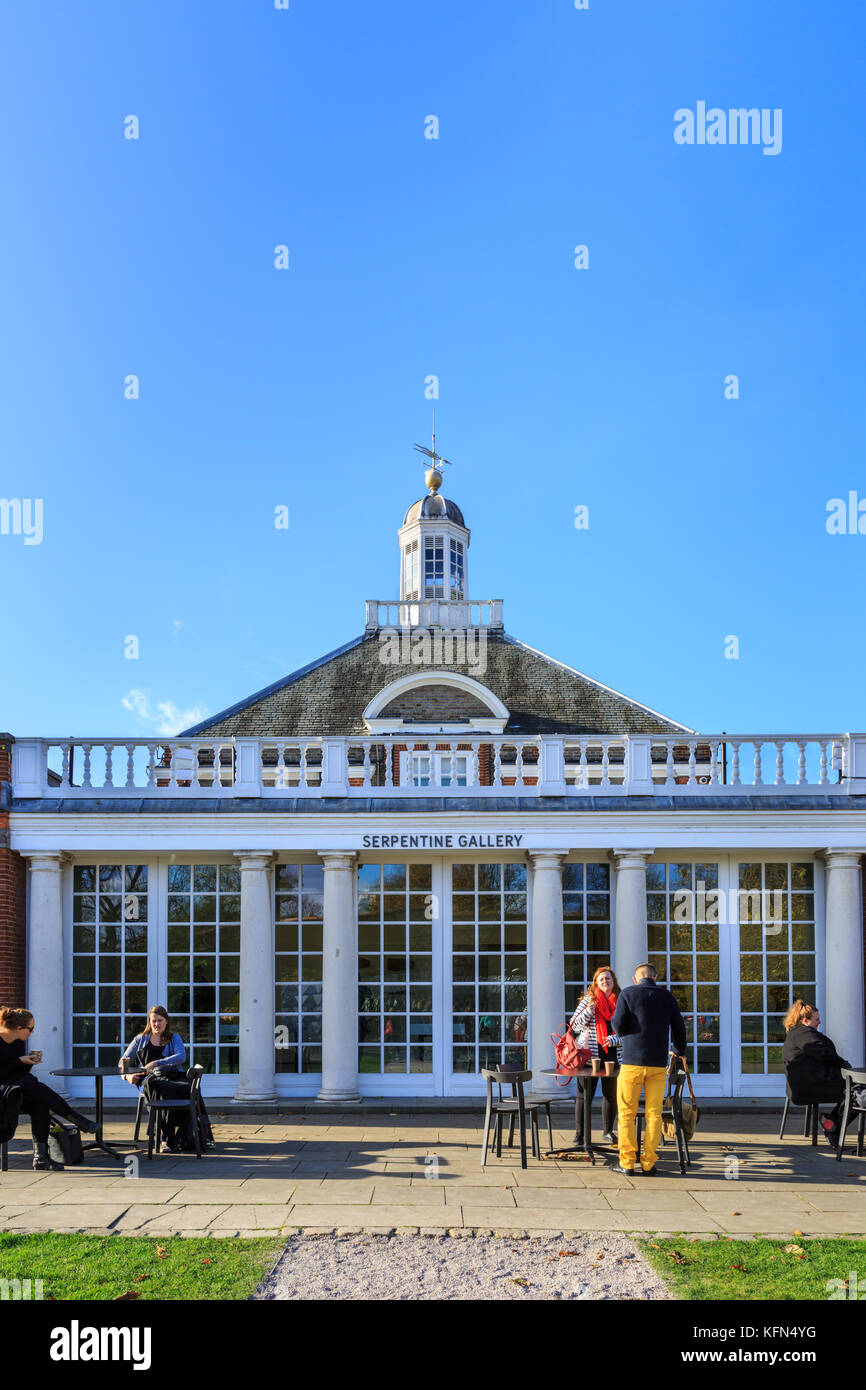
{"type": "Point", "coordinates": [98, 1142]}
{"type": "Point", "coordinates": [588, 1090]}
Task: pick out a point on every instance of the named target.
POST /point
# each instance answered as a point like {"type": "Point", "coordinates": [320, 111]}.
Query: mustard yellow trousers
{"type": "Point", "coordinates": [630, 1082]}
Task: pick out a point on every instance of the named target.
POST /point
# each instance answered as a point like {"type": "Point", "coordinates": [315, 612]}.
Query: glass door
{"type": "Point", "coordinates": [485, 966]}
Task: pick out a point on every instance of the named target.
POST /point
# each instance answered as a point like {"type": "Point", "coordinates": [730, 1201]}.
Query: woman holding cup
{"type": "Point", "coordinates": [37, 1100]}
{"type": "Point", "coordinates": [591, 1026]}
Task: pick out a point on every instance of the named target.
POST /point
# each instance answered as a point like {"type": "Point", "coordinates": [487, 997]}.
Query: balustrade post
{"type": "Point", "coordinates": [638, 765]}
{"type": "Point", "coordinates": [248, 767]}
{"type": "Point", "coordinates": [551, 770]}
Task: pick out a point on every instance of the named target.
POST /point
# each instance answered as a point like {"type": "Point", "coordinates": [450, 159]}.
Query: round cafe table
{"type": "Point", "coordinates": [583, 1096]}
{"type": "Point", "coordinates": [98, 1073]}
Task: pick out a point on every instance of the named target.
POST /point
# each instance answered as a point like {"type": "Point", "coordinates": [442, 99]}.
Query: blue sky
{"type": "Point", "coordinates": [411, 257]}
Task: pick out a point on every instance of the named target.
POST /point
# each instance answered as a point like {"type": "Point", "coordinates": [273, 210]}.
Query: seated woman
{"type": "Point", "coordinates": [813, 1066]}
{"type": "Point", "coordinates": [590, 1024]}
{"type": "Point", "coordinates": [158, 1049]}
{"type": "Point", "coordinates": [37, 1100]}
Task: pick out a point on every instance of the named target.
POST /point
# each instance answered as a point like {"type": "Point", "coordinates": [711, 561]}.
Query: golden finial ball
{"type": "Point", "coordinates": [433, 479]}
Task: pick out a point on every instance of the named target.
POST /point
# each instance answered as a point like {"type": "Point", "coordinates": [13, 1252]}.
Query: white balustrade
{"type": "Point", "coordinates": [488, 764]}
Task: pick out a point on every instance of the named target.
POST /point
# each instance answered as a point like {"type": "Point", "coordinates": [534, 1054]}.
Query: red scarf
{"type": "Point", "coordinates": [605, 1007]}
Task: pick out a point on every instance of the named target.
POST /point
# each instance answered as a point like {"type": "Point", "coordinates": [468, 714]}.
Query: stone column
{"type": "Point", "coordinates": [339, 983]}
{"type": "Point", "coordinates": [842, 1019]}
{"type": "Point", "coordinates": [630, 946]}
{"type": "Point", "coordinates": [46, 972]}
{"type": "Point", "coordinates": [546, 966]}
{"type": "Point", "coordinates": [256, 1067]}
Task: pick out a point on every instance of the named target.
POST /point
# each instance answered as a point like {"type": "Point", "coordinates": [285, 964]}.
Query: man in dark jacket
{"type": "Point", "coordinates": [647, 1016]}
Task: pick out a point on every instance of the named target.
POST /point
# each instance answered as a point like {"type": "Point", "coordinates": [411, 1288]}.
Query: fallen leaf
{"type": "Point", "coordinates": [741, 1268]}
{"type": "Point", "coordinates": [794, 1250]}
{"type": "Point", "coordinates": [128, 1297]}
{"type": "Point", "coordinates": [736, 1213]}
{"type": "Point", "coordinates": [524, 1283]}
{"type": "Point", "coordinates": [679, 1259]}
{"type": "Point", "coordinates": [140, 1278]}
{"type": "Point", "coordinates": [563, 1253]}
{"type": "Point", "coordinates": [599, 1254]}
{"type": "Point", "coordinates": [162, 1252]}
{"type": "Point", "coordinates": [207, 1262]}
{"type": "Point", "coordinates": [798, 1233]}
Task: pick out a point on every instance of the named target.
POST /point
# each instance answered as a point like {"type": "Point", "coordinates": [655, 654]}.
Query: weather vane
{"type": "Point", "coordinates": [433, 477]}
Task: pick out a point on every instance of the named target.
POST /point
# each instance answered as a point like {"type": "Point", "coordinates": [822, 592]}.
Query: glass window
{"type": "Point", "coordinates": [395, 969]}
{"type": "Point", "coordinates": [298, 932]}
{"type": "Point", "coordinates": [489, 991]}
{"type": "Point", "coordinates": [586, 926]}
{"type": "Point", "coordinates": [204, 912]}
{"type": "Point", "coordinates": [776, 904]}
{"type": "Point", "coordinates": [109, 961]}
{"type": "Point", "coordinates": [682, 917]}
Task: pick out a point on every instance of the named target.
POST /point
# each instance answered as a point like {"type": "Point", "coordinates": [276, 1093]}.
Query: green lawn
{"type": "Point", "coordinates": [105, 1267]}
{"type": "Point", "coordinates": [743, 1270]}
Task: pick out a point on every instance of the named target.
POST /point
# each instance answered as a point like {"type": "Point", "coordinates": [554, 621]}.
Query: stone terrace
{"type": "Point", "coordinates": [352, 1171]}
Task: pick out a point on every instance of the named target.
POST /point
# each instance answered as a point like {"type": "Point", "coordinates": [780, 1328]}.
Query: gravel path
{"type": "Point", "coordinates": [448, 1267]}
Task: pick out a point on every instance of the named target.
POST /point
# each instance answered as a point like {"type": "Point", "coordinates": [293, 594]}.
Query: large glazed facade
{"type": "Point", "coordinates": [403, 863]}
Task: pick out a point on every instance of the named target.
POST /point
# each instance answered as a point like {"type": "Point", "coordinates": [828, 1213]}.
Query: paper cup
{"type": "Point", "coordinates": [596, 1066]}
{"type": "Point", "coordinates": [609, 1068]}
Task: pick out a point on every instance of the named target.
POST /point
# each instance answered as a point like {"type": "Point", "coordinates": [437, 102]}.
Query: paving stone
{"type": "Point", "coordinates": [578, 1198]}
{"type": "Point", "coordinates": [422, 1195]}
{"type": "Point", "coordinates": [548, 1219]}
{"type": "Point", "coordinates": [251, 1217]}
{"type": "Point", "coordinates": [358, 1217]}
{"type": "Point", "coordinates": [495, 1197]}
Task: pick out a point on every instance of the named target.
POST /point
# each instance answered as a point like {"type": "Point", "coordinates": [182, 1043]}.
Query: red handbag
{"type": "Point", "coordinates": [569, 1057]}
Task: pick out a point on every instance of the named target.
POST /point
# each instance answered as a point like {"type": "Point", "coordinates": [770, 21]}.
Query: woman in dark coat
{"type": "Point", "coordinates": [37, 1100]}
{"type": "Point", "coordinates": [813, 1066]}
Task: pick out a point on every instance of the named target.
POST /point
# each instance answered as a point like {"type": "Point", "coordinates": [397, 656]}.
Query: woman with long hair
{"type": "Point", "coordinates": [155, 1061]}
{"type": "Point", "coordinates": [591, 1026]}
{"type": "Point", "coordinates": [813, 1067]}
{"type": "Point", "coordinates": [37, 1100]}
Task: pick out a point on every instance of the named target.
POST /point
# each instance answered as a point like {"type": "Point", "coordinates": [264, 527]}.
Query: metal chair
{"type": "Point", "coordinates": [673, 1111]}
{"type": "Point", "coordinates": [851, 1107]}
{"type": "Point", "coordinates": [157, 1107]}
{"type": "Point", "coordinates": [517, 1108]}
{"type": "Point", "coordinates": [4, 1157]}
{"type": "Point", "coordinates": [810, 1122]}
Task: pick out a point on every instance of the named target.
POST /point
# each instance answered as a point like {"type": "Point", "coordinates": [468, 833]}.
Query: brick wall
{"type": "Point", "coordinates": [12, 890]}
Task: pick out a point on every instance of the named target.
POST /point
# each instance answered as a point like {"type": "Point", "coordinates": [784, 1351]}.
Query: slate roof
{"type": "Point", "coordinates": [328, 697]}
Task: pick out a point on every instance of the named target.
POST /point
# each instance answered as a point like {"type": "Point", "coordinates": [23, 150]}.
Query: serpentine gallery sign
{"type": "Point", "coordinates": [494, 841]}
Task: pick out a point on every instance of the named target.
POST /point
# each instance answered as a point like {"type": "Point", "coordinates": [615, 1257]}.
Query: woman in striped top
{"type": "Point", "coordinates": [590, 1024]}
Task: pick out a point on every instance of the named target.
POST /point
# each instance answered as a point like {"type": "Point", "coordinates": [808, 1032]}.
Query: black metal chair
{"type": "Point", "coordinates": [517, 1108]}
{"type": "Point", "coordinates": [157, 1107]}
{"type": "Point", "coordinates": [4, 1157]}
{"type": "Point", "coordinates": [811, 1120]}
{"type": "Point", "coordinates": [672, 1111]}
{"type": "Point", "coordinates": [851, 1106]}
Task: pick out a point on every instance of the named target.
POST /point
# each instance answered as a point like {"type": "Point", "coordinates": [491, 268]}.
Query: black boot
{"type": "Point", "coordinates": [42, 1159]}
{"type": "Point", "coordinates": [86, 1125]}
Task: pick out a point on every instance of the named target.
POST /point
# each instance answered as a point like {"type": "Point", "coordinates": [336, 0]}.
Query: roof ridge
{"type": "Point", "coordinates": [638, 704]}
{"type": "Point", "coordinates": [271, 689]}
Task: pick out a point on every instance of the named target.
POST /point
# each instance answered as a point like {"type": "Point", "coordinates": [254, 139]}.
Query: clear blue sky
{"type": "Point", "coordinates": [410, 257]}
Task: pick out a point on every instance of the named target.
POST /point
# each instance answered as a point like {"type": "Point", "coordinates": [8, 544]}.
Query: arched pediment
{"type": "Point", "coordinates": [436, 700]}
